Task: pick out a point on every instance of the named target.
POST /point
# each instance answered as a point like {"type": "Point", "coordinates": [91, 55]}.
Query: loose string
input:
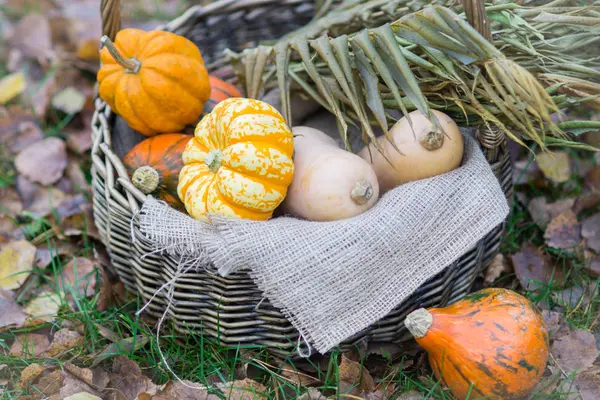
{"type": "Point", "coordinates": [299, 350]}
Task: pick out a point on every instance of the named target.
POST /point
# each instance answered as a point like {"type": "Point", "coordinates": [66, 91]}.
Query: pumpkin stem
{"type": "Point", "coordinates": [432, 140]}
{"type": "Point", "coordinates": [418, 322]}
{"type": "Point", "coordinates": [361, 192]}
{"type": "Point", "coordinates": [146, 179]}
{"type": "Point", "coordinates": [213, 160]}
{"type": "Point", "coordinates": [132, 65]}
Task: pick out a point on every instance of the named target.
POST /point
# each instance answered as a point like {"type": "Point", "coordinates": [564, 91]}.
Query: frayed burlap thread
{"type": "Point", "coordinates": [334, 279]}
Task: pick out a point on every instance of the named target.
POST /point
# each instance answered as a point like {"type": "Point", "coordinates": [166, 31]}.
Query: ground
{"type": "Point", "coordinates": [67, 325]}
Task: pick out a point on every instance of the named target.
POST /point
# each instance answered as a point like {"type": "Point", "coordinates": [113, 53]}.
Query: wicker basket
{"type": "Point", "coordinates": [231, 310]}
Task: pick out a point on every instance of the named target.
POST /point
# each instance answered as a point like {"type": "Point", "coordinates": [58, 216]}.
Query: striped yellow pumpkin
{"type": "Point", "coordinates": [239, 162]}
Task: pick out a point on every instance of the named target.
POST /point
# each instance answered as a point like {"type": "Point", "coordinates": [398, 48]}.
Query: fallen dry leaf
{"type": "Point", "coordinates": [45, 200]}
{"type": "Point", "coordinates": [32, 37]}
{"type": "Point", "coordinates": [63, 341]}
{"type": "Point", "coordinates": [29, 344]}
{"type": "Point", "coordinates": [10, 207]}
{"type": "Point", "coordinates": [127, 379]}
{"type": "Point", "coordinates": [79, 274]}
{"type": "Point", "coordinates": [246, 389]}
{"type": "Point", "coordinates": [563, 231]}
{"type": "Point", "coordinates": [592, 263]}
{"type": "Point", "coordinates": [410, 395]}
{"type": "Point", "coordinates": [588, 383]}
{"type": "Point", "coordinates": [76, 177]}
{"type": "Point", "coordinates": [27, 133]}
{"type": "Point", "coordinates": [299, 378]}
{"type": "Point", "coordinates": [16, 263]}
{"type": "Point", "coordinates": [47, 252]}
{"type": "Point", "coordinates": [542, 212]}
{"type": "Point", "coordinates": [182, 390]}
{"type": "Point", "coordinates": [43, 307]}
{"type": "Point", "coordinates": [590, 230]}
{"type": "Point", "coordinates": [11, 314]}
{"type": "Point", "coordinates": [30, 374]}
{"type": "Point", "coordinates": [69, 100]}
{"type": "Point", "coordinates": [72, 385]}
{"type": "Point", "coordinates": [573, 296]}
{"type": "Point", "coordinates": [575, 350]}
{"type": "Point", "coordinates": [552, 320]}
{"type": "Point", "coordinates": [525, 171]}
{"type": "Point", "coordinates": [555, 166]}
{"type": "Point", "coordinates": [356, 374]}
{"type": "Point", "coordinates": [49, 384]}
{"type": "Point", "coordinates": [85, 375]}
{"type": "Point", "coordinates": [11, 86]}
{"type": "Point", "coordinates": [44, 161]}
{"type": "Point", "coordinates": [79, 141]}
{"type": "Point", "coordinates": [498, 266]}
{"type": "Point", "coordinates": [107, 333]}
{"type": "Point", "coordinates": [82, 396]}
{"type": "Point", "coordinates": [592, 179]}
{"type": "Point", "coordinates": [312, 394]}
{"type": "Point", "coordinates": [533, 268]}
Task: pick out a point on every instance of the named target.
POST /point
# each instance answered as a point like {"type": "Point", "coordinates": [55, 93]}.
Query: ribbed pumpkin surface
{"type": "Point", "coordinates": [239, 162]}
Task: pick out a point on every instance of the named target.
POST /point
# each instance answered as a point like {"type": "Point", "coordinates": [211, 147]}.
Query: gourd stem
{"type": "Point", "coordinates": [418, 322]}
{"type": "Point", "coordinates": [146, 179]}
{"type": "Point", "coordinates": [432, 140]}
{"type": "Point", "coordinates": [361, 192]}
{"type": "Point", "coordinates": [132, 65]}
{"type": "Point", "coordinates": [213, 160]}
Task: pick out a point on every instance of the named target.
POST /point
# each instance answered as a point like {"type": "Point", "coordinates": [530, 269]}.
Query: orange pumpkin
{"type": "Point", "coordinates": [154, 165]}
{"type": "Point", "coordinates": [492, 344]}
{"type": "Point", "coordinates": [239, 163]}
{"type": "Point", "coordinates": [155, 80]}
{"type": "Point", "coordinates": [219, 91]}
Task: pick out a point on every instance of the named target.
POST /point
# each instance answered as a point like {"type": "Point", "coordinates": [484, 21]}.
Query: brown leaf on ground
{"type": "Point", "coordinates": [32, 37]}
{"type": "Point", "coordinates": [246, 389]}
{"type": "Point", "coordinates": [575, 350]}
{"type": "Point", "coordinates": [590, 230]}
{"type": "Point", "coordinates": [30, 374]}
{"type": "Point", "coordinates": [82, 396]}
{"type": "Point", "coordinates": [552, 320]}
{"type": "Point", "coordinates": [45, 200]}
{"type": "Point", "coordinates": [44, 306]}
{"type": "Point", "coordinates": [29, 344]}
{"type": "Point", "coordinates": [356, 374]}
{"type": "Point", "coordinates": [542, 212]}
{"type": "Point", "coordinates": [410, 395]}
{"type": "Point", "coordinates": [80, 223]}
{"type": "Point", "coordinates": [50, 384]}
{"type": "Point", "coordinates": [46, 252]}
{"type": "Point", "coordinates": [107, 333]}
{"type": "Point", "coordinates": [534, 269]}
{"type": "Point", "coordinates": [63, 341]}
{"type": "Point", "coordinates": [76, 177]}
{"type": "Point", "coordinates": [128, 381]}
{"type": "Point", "coordinates": [72, 385]}
{"type": "Point", "coordinates": [173, 390]}
{"type": "Point", "coordinates": [296, 377]}
{"type": "Point", "coordinates": [43, 161]}
{"type": "Point", "coordinates": [85, 375]}
{"type": "Point", "coordinates": [592, 179]}
{"type": "Point", "coordinates": [312, 394]}
{"type": "Point", "coordinates": [79, 274]}
{"type": "Point", "coordinates": [563, 231]}
{"type": "Point", "coordinates": [11, 314]}
{"type": "Point", "coordinates": [16, 263]}
{"type": "Point", "coordinates": [574, 296]}
{"type": "Point", "coordinates": [498, 266]}
{"type": "Point", "coordinates": [555, 166]}
{"type": "Point", "coordinates": [79, 141]}
{"type": "Point", "coordinates": [588, 383]}
{"type": "Point", "coordinates": [10, 207]}
{"type": "Point", "coordinates": [27, 133]}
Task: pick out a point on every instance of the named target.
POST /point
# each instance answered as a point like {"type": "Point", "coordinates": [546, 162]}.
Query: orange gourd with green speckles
{"type": "Point", "coordinates": [155, 80]}
{"type": "Point", "coordinates": [239, 163]}
{"type": "Point", "coordinates": [492, 344]}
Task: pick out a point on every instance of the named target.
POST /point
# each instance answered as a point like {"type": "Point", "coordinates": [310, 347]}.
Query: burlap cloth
{"type": "Point", "coordinates": [334, 279]}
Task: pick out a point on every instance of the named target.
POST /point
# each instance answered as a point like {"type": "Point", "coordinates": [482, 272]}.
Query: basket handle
{"type": "Point", "coordinates": [110, 10]}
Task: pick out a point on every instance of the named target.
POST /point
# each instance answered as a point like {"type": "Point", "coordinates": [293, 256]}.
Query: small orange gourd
{"type": "Point", "coordinates": [492, 344]}
{"type": "Point", "coordinates": [219, 91]}
{"type": "Point", "coordinates": [239, 162]}
{"type": "Point", "coordinates": [155, 80]}
{"type": "Point", "coordinates": [154, 165]}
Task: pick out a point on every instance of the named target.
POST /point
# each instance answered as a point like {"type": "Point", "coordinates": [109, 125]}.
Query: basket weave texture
{"type": "Point", "coordinates": [232, 309]}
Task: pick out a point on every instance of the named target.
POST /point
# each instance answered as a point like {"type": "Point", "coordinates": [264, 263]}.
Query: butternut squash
{"type": "Point", "coordinates": [329, 183]}
{"type": "Point", "coordinates": [424, 151]}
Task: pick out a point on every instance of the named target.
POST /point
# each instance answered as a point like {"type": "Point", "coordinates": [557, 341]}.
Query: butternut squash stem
{"type": "Point", "coordinates": [132, 65]}
{"type": "Point", "coordinates": [146, 179]}
{"type": "Point", "coordinates": [361, 192]}
{"type": "Point", "coordinates": [418, 322]}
